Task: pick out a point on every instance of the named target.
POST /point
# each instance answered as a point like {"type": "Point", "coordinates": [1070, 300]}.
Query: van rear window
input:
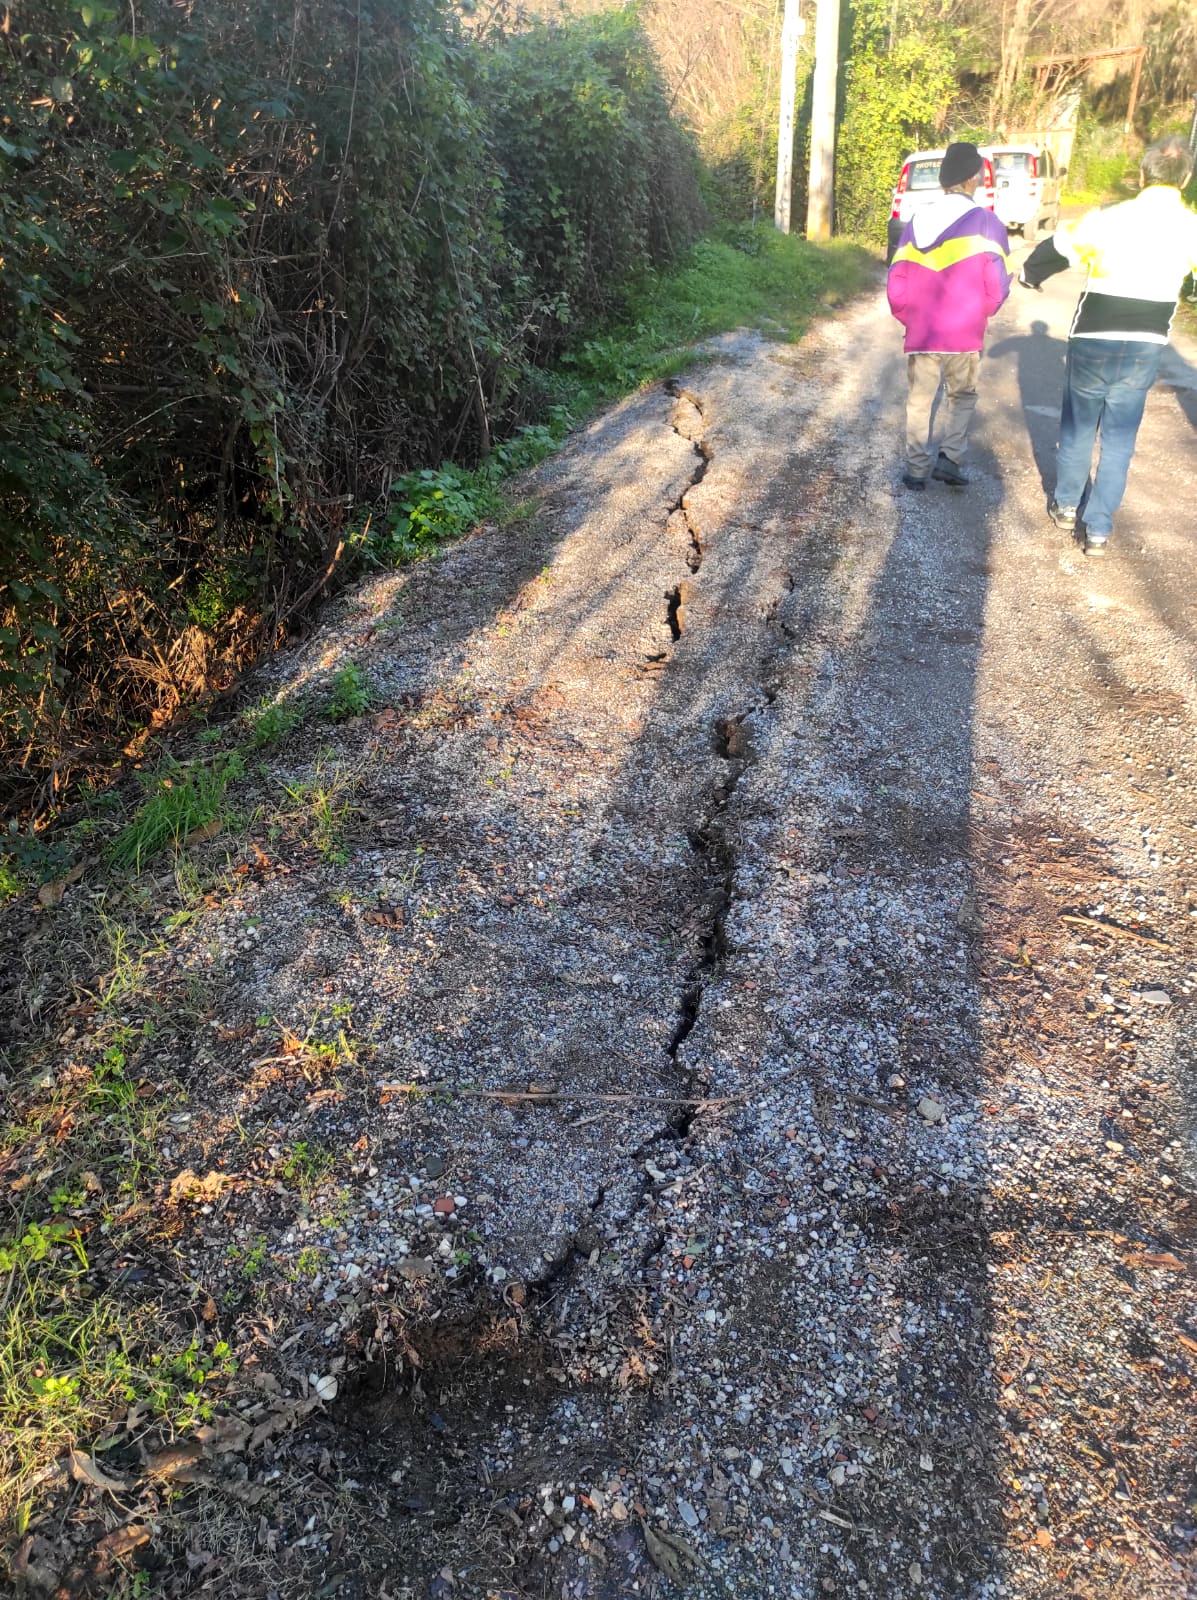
{"type": "Point", "coordinates": [924, 175]}
{"type": "Point", "coordinates": [1007, 163]}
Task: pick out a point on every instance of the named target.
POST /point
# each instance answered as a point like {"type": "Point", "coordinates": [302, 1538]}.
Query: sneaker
{"type": "Point", "coordinates": [947, 471]}
{"type": "Point", "coordinates": [911, 482]}
{"type": "Point", "coordinates": [1095, 546]}
{"type": "Point", "coordinates": [1063, 516]}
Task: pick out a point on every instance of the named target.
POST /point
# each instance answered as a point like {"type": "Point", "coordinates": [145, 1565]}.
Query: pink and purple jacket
{"type": "Point", "coordinates": [948, 276]}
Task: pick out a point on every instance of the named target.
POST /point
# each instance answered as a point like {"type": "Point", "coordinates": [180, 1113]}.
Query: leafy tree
{"type": "Point", "coordinates": [900, 82]}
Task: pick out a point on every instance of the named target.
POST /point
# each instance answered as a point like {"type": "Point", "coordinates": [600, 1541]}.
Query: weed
{"type": "Point", "coordinates": [72, 1360]}
{"type": "Point", "coordinates": [270, 722]}
{"type": "Point", "coordinates": [251, 1260]}
{"type": "Point", "coordinates": [340, 1211]}
{"type": "Point", "coordinates": [350, 694]}
{"type": "Point", "coordinates": [442, 503]}
{"type": "Point", "coordinates": [513, 512]}
{"type": "Point", "coordinates": [310, 1261]}
{"type": "Point", "coordinates": [130, 957]}
{"type": "Point", "coordinates": [103, 799]}
{"type": "Point", "coordinates": [181, 802]}
{"type": "Point", "coordinates": [188, 883]}
{"type": "Point", "coordinates": [325, 809]}
{"type": "Point", "coordinates": [29, 859]}
{"type": "Point", "coordinates": [748, 277]}
{"type": "Point", "coordinates": [306, 1167]}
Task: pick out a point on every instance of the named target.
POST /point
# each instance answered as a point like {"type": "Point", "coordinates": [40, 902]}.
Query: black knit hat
{"type": "Point", "coordinates": [960, 163]}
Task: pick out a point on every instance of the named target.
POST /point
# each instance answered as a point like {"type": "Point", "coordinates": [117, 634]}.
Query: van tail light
{"type": "Point", "coordinates": [1033, 165]}
{"type": "Point", "coordinates": [899, 192]}
{"type": "Point", "coordinates": [987, 182]}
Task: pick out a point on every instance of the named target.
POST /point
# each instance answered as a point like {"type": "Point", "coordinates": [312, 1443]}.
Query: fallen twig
{"type": "Point", "coordinates": [1082, 921]}
{"type": "Point", "coordinates": [550, 1095]}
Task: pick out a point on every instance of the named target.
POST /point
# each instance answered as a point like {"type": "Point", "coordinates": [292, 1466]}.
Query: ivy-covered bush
{"type": "Point", "coordinates": [258, 261]}
{"type": "Point", "coordinates": [900, 82]}
{"type": "Point", "coordinates": [597, 179]}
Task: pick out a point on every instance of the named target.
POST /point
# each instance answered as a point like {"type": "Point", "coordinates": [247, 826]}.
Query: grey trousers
{"type": "Point", "coordinates": [924, 372]}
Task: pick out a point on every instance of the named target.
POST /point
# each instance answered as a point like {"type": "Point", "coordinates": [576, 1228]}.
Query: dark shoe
{"type": "Point", "coordinates": [947, 471]}
{"type": "Point", "coordinates": [912, 482]}
{"type": "Point", "coordinates": [1063, 516]}
{"type": "Point", "coordinates": [1094, 547]}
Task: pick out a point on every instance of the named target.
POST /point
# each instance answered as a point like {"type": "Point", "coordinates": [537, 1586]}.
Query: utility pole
{"type": "Point", "coordinates": [1128, 127]}
{"type": "Point", "coordinates": [822, 120]}
{"type": "Point", "coordinates": [792, 29]}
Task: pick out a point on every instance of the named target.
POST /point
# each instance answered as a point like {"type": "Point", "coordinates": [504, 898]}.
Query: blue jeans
{"type": "Point", "coordinates": [1105, 386]}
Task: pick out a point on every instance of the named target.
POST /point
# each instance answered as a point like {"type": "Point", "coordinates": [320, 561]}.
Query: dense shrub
{"type": "Point", "coordinates": [598, 180]}
{"type": "Point", "coordinates": [260, 261]}
{"type": "Point", "coordinates": [900, 82]}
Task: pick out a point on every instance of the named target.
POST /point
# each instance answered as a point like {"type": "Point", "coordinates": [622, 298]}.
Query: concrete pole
{"type": "Point", "coordinates": [791, 30]}
{"type": "Point", "coordinates": [1128, 127]}
{"type": "Point", "coordinates": [822, 120]}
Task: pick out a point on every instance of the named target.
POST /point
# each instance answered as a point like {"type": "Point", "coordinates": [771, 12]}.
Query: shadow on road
{"type": "Point", "coordinates": [1039, 362]}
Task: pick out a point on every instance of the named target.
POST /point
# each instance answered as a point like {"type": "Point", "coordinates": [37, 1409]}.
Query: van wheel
{"type": "Point", "coordinates": [1030, 231]}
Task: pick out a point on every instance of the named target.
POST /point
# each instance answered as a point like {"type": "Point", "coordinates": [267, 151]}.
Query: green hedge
{"type": "Point", "coordinates": [260, 261]}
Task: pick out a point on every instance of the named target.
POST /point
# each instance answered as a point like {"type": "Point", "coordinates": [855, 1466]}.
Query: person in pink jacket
{"type": "Point", "coordinates": [948, 278]}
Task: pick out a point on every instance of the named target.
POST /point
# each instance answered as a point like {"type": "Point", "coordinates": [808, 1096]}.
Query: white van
{"type": "Point", "coordinates": [1027, 187]}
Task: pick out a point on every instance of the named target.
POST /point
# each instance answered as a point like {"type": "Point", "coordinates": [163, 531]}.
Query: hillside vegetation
{"type": "Point", "coordinates": [261, 261]}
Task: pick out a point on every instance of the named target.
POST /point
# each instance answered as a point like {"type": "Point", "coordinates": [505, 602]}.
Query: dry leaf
{"type": "Point", "coordinates": [174, 1461]}
{"type": "Point", "coordinates": [28, 1566]}
{"type": "Point", "coordinates": [669, 1552]}
{"type": "Point", "coordinates": [190, 1186]}
{"type": "Point", "coordinates": [1044, 1539]}
{"type": "Point", "coordinates": [85, 1470]}
{"type": "Point", "coordinates": [830, 1516]}
{"type": "Point", "coordinates": [279, 1421]}
{"type": "Point", "coordinates": [1164, 1258]}
{"type": "Point", "coordinates": [1189, 1344]}
{"type": "Point", "coordinates": [50, 894]}
{"type": "Point", "coordinates": [223, 1435]}
{"type": "Point", "coordinates": [207, 830]}
{"type": "Point", "coordinates": [121, 1542]}
{"type": "Point", "coordinates": [413, 1268]}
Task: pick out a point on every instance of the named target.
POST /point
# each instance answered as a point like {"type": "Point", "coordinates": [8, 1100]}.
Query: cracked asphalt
{"type": "Point", "coordinates": [762, 1128]}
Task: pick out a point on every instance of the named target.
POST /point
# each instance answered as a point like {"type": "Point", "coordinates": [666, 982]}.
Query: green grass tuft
{"type": "Point", "coordinates": [183, 800]}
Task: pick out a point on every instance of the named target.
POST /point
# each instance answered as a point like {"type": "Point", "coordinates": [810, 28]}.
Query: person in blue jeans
{"type": "Point", "coordinates": [1137, 254]}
